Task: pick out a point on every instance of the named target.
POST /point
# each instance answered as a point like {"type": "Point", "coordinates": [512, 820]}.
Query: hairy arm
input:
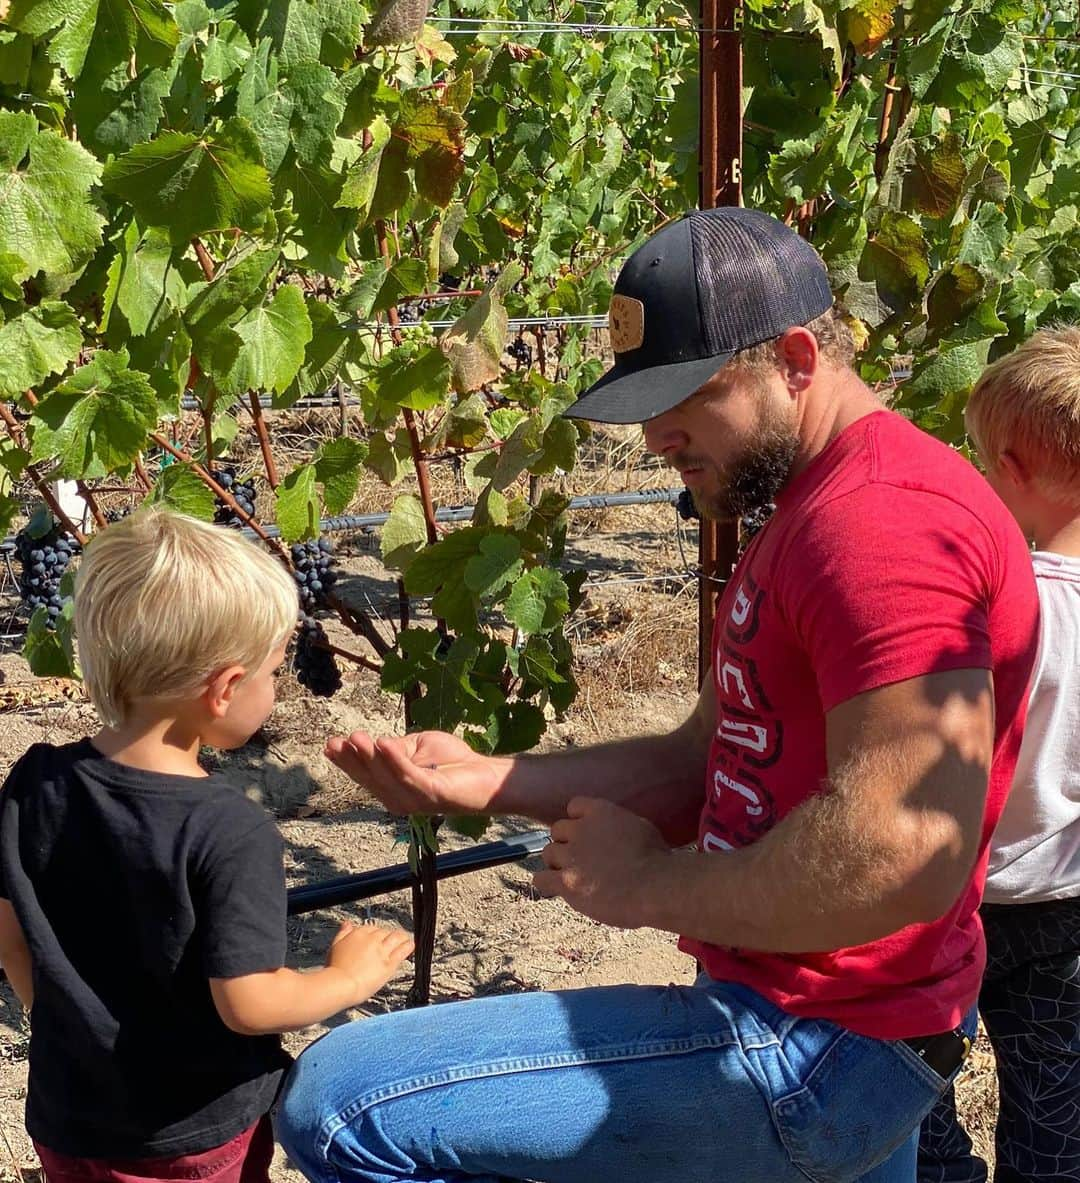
{"type": "Point", "coordinates": [889, 841]}
{"type": "Point", "coordinates": [15, 955]}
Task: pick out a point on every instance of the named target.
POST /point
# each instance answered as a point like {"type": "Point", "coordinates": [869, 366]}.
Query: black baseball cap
{"type": "Point", "coordinates": [703, 288]}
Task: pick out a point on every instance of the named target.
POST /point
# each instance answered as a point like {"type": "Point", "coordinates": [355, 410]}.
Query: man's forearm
{"type": "Point", "coordinates": [818, 881]}
{"type": "Point", "coordinates": [658, 777]}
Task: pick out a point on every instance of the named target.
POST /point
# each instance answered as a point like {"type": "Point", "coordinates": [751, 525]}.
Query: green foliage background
{"type": "Point", "coordinates": [285, 141]}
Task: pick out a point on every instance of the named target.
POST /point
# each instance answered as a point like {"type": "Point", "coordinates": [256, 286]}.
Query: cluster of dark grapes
{"type": "Point", "coordinates": [242, 491]}
{"type": "Point", "coordinates": [314, 663]}
{"type": "Point", "coordinates": [521, 351]}
{"type": "Point", "coordinates": [413, 310]}
{"type": "Point", "coordinates": [44, 561]}
{"type": "Point", "coordinates": [313, 570]}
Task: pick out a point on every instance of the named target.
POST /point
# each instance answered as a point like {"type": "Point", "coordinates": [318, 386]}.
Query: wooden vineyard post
{"type": "Point", "coordinates": [720, 184]}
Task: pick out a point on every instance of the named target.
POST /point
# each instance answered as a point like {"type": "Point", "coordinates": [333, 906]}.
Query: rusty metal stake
{"type": "Point", "coordinates": [720, 184]}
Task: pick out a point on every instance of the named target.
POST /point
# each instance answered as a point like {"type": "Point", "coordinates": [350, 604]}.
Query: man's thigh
{"type": "Point", "coordinates": [628, 1084]}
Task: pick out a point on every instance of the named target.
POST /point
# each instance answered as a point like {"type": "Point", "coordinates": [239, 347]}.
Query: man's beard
{"type": "Point", "coordinates": [753, 480]}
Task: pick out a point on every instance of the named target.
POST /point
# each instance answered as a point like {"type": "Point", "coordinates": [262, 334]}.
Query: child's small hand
{"type": "Point", "coordinates": [370, 955]}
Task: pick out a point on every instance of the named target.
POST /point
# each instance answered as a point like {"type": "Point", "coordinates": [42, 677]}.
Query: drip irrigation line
{"type": "Point", "coordinates": [349, 889]}
{"type": "Point", "coordinates": [516, 322]}
{"type": "Point", "coordinates": [367, 522]}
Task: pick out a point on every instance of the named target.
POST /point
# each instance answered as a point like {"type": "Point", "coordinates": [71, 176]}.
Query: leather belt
{"type": "Point", "coordinates": [943, 1053]}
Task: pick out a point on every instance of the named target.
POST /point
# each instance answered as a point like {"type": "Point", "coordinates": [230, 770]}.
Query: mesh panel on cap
{"type": "Point", "coordinates": [755, 277]}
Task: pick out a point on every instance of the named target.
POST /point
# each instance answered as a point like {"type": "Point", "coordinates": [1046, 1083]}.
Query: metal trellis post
{"type": "Point", "coordinates": [720, 184]}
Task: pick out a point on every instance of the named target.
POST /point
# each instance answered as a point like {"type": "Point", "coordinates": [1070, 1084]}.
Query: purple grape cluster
{"type": "Point", "coordinates": [316, 667]}
{"type": "Point", "coordinates": [242, 491]}
{"type": "Point", "coordinates": [44, 561]}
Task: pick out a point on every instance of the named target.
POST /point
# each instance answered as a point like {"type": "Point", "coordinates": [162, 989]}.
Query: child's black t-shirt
{"type": "Point", "coordinates": [133, 889]}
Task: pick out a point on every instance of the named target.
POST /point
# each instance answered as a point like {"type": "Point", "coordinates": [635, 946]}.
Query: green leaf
{"type": "Point", "coordinates": [114, 111]}
{"type": "Point", "coordinates": [297, 508]}
{"type": "Point", "coordinates": [418, 384]}
{"type": "Point", "coordinates": [936, 178]}
{"type": "Point", "coordinates": [497, 564]}
{"type": "Point", "coordinates": [191, 184]}
{"type": "Point", "coordinates": [317, 108]}
{"type": "Point", "coordinates": [443, 560]}
{"type": "Point", "coordinates": [180, 489]}
{"type": "Point", "coordinates": [475, 342]}
{"type": "Point", "coordinates": [337, 469]}
{"type": "Point", "coordinates": [96, 420]}
{"type": "Point", "coordinates": [947, 372]}
{"type": "Point", "coordinates": [36, 343]}
{"type": "Point", "coordinates": [358, 191]}
{"type": "Point", "coordinates": [388, 459]}
{"type": "Point", "coordinates": [274, 336]}
{"type": "Point", "coordinates": [407, 277]}
{"type": "Point", "coordinates": [469, 825]}
{"type": "Point", "coordinates": [47, 220]}
{"type": "Point", "coordinates": [144, 282]}
{"type": "Point", "coordinates": [518, 726]}
{"type": "Point", "coordinates": [404, 534]}
{"type": "Point", "coordinates": [50, 651]}
{"type": "Point", "coordinates": [538, 600]}
{"type": "Point", "coordinates": [896, 259]}
{"type": "Point", "coordinates": [333, 347]}
{"type": "Point", "coordinates": [266, 105]}
{"type": "Point", "coordinates": [115, 30]}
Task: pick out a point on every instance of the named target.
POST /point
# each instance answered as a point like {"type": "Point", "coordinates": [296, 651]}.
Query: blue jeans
{"type": "Point", "coordinates": [622, 1084]}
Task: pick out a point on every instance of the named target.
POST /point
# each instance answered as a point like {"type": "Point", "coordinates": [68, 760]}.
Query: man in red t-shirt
{"type": "Point", "coordinates": [856, 739]}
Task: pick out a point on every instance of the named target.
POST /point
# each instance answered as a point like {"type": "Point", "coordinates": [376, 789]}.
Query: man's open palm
{"type": "Point", "coordinates": [427, 772]}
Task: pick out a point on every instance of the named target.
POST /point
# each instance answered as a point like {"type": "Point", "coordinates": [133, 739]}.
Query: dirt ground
{"type": "Point", "coordinates": [635, 643]}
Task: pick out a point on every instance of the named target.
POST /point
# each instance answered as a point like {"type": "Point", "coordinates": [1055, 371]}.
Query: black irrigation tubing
{"type": "Point", "coordinates": [463, 513]}
{"type": "Point", "coordinates": [350, 888]}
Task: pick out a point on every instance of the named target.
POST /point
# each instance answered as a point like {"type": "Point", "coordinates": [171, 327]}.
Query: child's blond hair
{"type": "Point", "coordinates": [163, 601]}
{"type": "Point", "coordinates": [1028, 403]}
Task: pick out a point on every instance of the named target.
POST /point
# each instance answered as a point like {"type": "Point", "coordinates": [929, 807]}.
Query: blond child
{"type": "Point", "coordinates": [142, 901]}
{"type": "Point", "coordinates": [1024, 417]}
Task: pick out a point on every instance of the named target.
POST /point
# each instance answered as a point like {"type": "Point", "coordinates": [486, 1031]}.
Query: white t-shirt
{"type": "Point", "coordinates": [1035, 853]}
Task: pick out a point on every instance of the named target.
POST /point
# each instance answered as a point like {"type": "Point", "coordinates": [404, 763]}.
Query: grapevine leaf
{"type": "Point", "coordinates": [332, 348]}
{"type": "Point", "coordinates": [934, 182]}
{"type": "Point", "coordinates": [337, 469]}
{"type": "Point", "coordinates": [475, 342]}
{"type": "Point", "coordinates": [274, 336]}
{"type": "Point", "coordinates": [955, 292]}
{"type": "Point", "coordinates": [115, 111]}
{"type": "Point", "coordinates": [115, 30]}
{"type": "Point", "coordinates": [317, 108]}
{"type": "Point", "coordinates": [947, 372]}
{"type": "Point", "coordinates": [190, 184]}
{"type": "Point", "coordinates": [404, 534]}
{"type": "Point", "coordinates": [469, 825]}
{"type": "Point", "coordinates": [224, 299]}
{"type": "Point", "coordinates": [297, 509]}
{"type": "Point", "coordinates": [397, 21]}
{"type": "Point", "coordinates": [524, 448]}
{"type": "Point", "coordinates": [418, 384]}
{"type": "Point", "coordinates": [180, 489]}
{"type": "Point", "coordinates": [50, 651]}
{"type": "Point", "coordinates": [538, 600]}
{"type": "Point", "coordinates": [301, 31]}
{"type": "Point", "coordinates": [504, 420]}
{"type": "Point", "coordinates": [443, 561]}
{"type": "Point", "coordinates": [497, 564]}
{"type": "Point", "coordinates": [36, 343]}
{"type": "Point", "coordinates": [388, 459]}
{"type": "Point", "coordinates": [407, 277]}
{"type": "Point", "coordinates": [266, 105]}
{"type": "Point", "coordinates": [313, 192]}
{"type": "Point", "coordinates": [144, 282]}
{"type": "Point", "coordinates": [359, 188]}
{"type": "Point", "coordinates": [97, 419]}
{"type": "Point", "coordinates": [517, 727]}
{"type": "Point", "coordinates": [47, 220]}
{"type": "Point", "coordinates": [868, 23]}
{"type": "Point", "coordinates": [896, 259]}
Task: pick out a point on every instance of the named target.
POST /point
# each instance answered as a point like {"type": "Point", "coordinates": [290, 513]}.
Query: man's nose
{"type": "Point", "coordinates": [663, 435]}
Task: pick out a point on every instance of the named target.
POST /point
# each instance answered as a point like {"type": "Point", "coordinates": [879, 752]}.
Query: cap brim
{"type": "Point", "coordinates": [636, 396]}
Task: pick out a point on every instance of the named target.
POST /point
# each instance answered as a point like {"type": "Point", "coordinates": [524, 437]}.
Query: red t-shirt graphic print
{"type": "Point", "coordinates": [888, 558]}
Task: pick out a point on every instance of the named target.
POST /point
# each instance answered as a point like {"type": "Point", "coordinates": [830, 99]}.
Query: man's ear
{"type": "Point", "coordinates": [1014, 470]}
{"type": "Point", "coordinates": [798, 358]}
{"type": "Point", "coordinates": [220, 689]}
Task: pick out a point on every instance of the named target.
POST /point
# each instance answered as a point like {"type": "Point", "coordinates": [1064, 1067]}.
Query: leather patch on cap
{"type": "Point", "coordinates": [626, 323]}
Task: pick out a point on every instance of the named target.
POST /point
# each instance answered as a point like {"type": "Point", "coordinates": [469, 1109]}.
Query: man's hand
{"type": "Point", "coordinates": [605, 862]}
{"type": "Point", "coordinates": [428, 772]}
